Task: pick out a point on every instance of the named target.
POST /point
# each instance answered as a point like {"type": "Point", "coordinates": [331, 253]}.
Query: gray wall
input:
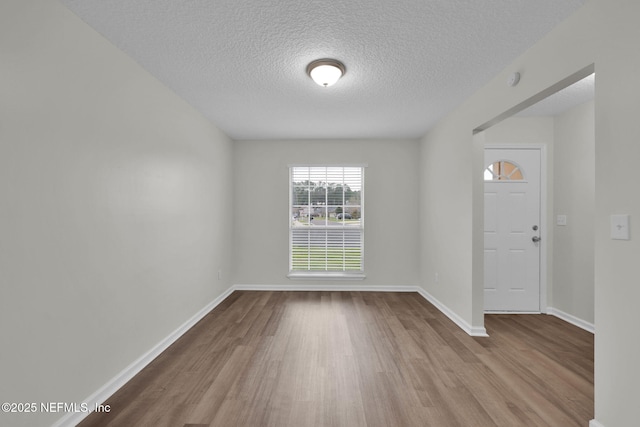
{"type": "Point", "coordinates": [112, 209]}
{"type": "Point", "coordinates": [261, 179]}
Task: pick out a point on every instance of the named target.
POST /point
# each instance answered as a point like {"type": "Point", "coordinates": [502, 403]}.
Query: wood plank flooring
{"type": "Point", "coordinates": [359, 359]}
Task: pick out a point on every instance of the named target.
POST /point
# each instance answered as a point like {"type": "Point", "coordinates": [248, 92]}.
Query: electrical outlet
{"type": "Point", "coordinates": [219, 274]}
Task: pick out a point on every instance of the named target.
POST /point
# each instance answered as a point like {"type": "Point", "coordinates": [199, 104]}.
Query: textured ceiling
{"type": "Point", "coordinates": [242, 62]}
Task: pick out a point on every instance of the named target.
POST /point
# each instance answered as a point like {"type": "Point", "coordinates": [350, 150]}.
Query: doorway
{"type": "Point", "coordinates": [512, 229]}
{"type": "Point", "coordinates": [566, 245]}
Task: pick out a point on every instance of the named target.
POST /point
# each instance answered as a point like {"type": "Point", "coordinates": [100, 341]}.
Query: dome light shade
{"type": "Point", "coordinates": [326, 72]}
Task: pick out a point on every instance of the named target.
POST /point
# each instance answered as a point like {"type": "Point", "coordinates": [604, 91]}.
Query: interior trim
{"type": "Point", "coordinates": [304, 275]}
{"type": "Point", "coordinates": [474, 331]}
{"type": "Point", "coordinates": [326, 288]}
{"type": "Point", "coordinates": [569, 318]}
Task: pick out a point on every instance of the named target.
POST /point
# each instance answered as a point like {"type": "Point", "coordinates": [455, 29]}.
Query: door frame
{"type": "Point", "coordinates": [545, 234]}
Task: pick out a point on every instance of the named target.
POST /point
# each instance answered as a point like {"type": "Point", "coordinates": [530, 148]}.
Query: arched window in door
{"type": "Point", "coordinates": [503, 170]}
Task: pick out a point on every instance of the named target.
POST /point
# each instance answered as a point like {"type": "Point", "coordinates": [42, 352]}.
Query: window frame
{"type": "Point", "coordinates": [327, 274]}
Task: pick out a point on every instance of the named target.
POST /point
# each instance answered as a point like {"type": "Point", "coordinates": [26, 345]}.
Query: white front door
{"type": "Point", "coordinates": [512, 230]}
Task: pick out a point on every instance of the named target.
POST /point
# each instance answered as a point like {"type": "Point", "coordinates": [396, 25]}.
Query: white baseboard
{"type": "Point", "coordinates": [101, 395]}
{"type": "Point", "coordinates": [510, 312]}
{"type": "Point", "coordinates": [594, 423]}
{"type": "Point", "coordinates": [583, 324]}
{"type": "Point", "coordinates": [474, 331]}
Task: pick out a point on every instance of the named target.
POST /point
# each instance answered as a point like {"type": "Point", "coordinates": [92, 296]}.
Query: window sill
{"type": "Point", "coordinates": [324, 275]}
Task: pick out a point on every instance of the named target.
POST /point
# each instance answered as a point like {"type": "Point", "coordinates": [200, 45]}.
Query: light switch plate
{"type": "Point", "coordinates": [561, 220]}
{"type": "Point", "coordinates": [620, 227]}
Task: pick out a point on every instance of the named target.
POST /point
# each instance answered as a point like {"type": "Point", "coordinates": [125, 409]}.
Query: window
{"type": "Point", "coordinates": [503, 170]}
{"type": "Point", "coordinates": [326, 224]}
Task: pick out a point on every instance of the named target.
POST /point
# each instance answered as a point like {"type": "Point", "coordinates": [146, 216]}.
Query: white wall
{"type": "Point", "coordinates": [261, 179]}
{"type": "Point", "coordinates": [574, 196]}
{"type": "Point", "coordinates": [114, 211]}
{"type": "Point", "coordinates": [604, 33]}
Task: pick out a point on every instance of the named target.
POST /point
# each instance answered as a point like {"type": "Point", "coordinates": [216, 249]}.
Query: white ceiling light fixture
{"type": "Point", "coordinates": [326, 72]}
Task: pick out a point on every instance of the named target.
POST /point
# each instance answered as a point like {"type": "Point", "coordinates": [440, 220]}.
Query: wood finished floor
{"type": "Point", "coordinates": [359, 359]}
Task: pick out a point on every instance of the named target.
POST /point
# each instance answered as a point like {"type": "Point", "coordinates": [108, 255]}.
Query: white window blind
{"type": "Point", "coordinates": [326, 231]}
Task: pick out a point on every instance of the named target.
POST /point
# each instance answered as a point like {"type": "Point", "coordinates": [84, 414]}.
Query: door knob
{"type": "Point", "coordinates": [535, 239]}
